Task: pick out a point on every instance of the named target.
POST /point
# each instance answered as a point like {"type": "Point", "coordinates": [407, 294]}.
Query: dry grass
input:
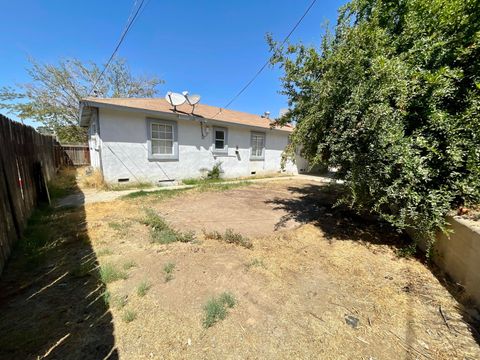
{"type": "Point", "coordinates": [230, 237]}
{"type": "Point", "coordinates": [91, 180]}
{"type": "Point", "coordinates": [296, 288]}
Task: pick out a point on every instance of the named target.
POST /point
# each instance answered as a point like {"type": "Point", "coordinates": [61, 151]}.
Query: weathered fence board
{"type": "Point", "coordinates": [78, 154]}
{"type": "Point", "coordinates": [26, 159]}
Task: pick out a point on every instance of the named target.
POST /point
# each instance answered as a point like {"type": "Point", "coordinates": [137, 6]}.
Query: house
{"type": "Point", "coordinates": [148, 140]}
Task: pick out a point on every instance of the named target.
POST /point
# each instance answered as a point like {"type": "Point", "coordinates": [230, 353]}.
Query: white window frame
{"type": "Point", "coordinates": [174, 154]}
{"type": "Point", "coordinates": [256, 156]}
{"type": "Point", "coordinates": [223, 151]}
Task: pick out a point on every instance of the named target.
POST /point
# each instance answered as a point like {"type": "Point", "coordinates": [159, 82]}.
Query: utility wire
{"type": "Point", "coordinates": [122, 37]}
{"type": "Point", "coordinates": [245, 87]}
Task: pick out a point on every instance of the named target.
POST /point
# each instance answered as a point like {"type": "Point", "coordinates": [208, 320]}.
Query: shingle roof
{"type": "Point", "coordinates": [201, 110]}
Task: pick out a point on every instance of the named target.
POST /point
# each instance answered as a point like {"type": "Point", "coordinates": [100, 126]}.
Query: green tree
{"type": "Point", "coordinates": [392, 98]}
{"type": "Point", "coordinates": [52, 97]}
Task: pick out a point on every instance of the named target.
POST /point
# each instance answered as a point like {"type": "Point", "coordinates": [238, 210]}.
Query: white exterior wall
{"type": "Point", "coordinates": [94, 142]}
{"type": "Point", "coordinates": [124, 151]}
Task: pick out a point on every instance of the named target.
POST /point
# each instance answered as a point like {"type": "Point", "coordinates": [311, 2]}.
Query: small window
{"type": "Point", "coordinates": [220, 144]}
{"type": "Point", "coordinates": [162, 140]}
{"type": "Point", "coordinates": [258, 146]}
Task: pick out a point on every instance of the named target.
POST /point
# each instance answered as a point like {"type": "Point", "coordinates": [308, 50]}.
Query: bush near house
{"type": "Point", "coordinates": [392, 99]}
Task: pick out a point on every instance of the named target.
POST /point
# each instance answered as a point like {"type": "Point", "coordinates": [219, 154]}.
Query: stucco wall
{"type": "Point", "coordinates": [124, 151]}
{"type": "Point", "coordinates": [458, 254]}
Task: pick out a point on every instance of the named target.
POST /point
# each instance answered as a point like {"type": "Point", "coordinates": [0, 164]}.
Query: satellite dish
{"type": "Point", "coordinates": [191, 99]}
{"type": "Point", "coordinates": [175, 99]}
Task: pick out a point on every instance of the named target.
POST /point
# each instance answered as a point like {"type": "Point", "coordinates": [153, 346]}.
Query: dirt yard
{"type": "Point", "coordinates": [319, 282]}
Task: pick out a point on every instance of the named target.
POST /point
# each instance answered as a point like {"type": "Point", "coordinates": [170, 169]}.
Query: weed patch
{"type": "Point", "coordinates": [156, 195]}
{"type": "Point", "coordinates": [119, 301]}
{"type": "Point", "coordinates": [143, 288]}
{"type": "Point", "coordinates": [129, 315]}
{"type": "Point", "coordinates": [168, 270]}
{"type": "Point", "coordinates": [107, 297]}
{"type": "Point", "coordinates": [255, 263]}
{"type": "Point", "coordinates": [110, 273]}
{"type": "Point", "coordinates": [127, 265]}
{"type": "Point", "coordinates": [230, 237]}
{"type": "Point", "coordinates": [46, 229]}
{"type": "Point", "coordinates": [120, 227]}
{"type": "Point", "coordinates": [63, 184]}
{"type": "Point", "coordinates": [216, 308]}
{"type": "Point", "coordinates": [221, 186]}
{"type": "Point", "coordinates": [162, 233]}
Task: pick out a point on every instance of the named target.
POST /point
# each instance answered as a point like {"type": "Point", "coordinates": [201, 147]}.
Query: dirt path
{"type": "Point", "coordinates": [88, 196]}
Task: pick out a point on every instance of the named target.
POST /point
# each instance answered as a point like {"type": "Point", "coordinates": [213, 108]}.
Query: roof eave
{"type": "Point", "coordinates": [89, 104]}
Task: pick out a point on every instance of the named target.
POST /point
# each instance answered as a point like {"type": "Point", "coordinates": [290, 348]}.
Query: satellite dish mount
{"type": "Point", "coordinates": [175, 99]}
{"type": "Point", "coordinates": [191, 99]}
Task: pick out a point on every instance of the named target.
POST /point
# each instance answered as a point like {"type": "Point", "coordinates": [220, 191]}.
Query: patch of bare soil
{"type": "Point", "coordinates": [319, 282]}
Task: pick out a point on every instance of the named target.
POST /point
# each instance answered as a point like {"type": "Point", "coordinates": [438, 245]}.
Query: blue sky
{"type": "Point", "coordinates": [207, 47]}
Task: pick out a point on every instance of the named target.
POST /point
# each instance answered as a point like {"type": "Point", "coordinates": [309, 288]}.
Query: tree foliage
{"type": "Point", "coordinates": [392, 98]}
{"type": "Point", "coordinates": [52, 97]}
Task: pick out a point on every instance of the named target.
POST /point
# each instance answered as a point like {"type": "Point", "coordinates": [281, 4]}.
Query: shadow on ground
{"type": "Point", "coordinates": [51, 298]}
{"type": "Point", "coordinates": [314, 204]}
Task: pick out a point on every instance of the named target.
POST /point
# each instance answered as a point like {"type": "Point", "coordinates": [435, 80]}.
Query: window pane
{"type": "Point", "coordinates": [219, 144]}
{"type": "Point", "coordinates": [155, 147]}
{"type": "Point", "coordinates": [219, 135]}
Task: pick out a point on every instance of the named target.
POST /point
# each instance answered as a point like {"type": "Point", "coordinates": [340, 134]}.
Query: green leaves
{"type": "Point", "coordinates": [392, 99]}
{"type": "Point", "coordinates": [52, 97]}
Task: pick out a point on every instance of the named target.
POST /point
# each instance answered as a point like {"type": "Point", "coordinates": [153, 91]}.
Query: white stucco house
{"type": "Point", "coordinates": [147, 140]}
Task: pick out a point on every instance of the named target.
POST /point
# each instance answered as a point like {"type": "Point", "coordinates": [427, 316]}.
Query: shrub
{"type": "Point", "coordinates": [216, 172]}
{"type": "Point", "coordinates": [392, 100]}
{"type": "Point", "coordinates": [216, 308]}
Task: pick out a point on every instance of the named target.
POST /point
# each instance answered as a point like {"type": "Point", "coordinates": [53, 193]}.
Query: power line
{"type": "Point", "coordinates": [267, 62]}
{"type": "Point", "coordinates": [122, 37]}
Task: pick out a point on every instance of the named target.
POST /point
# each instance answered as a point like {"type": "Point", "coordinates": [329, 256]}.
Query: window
{"type": "Point", "coordinates": [220, 138]}
{"type": "Point", "coordinates": [258, 146]}
{"type": "Point", "coordinates": [162, 140]}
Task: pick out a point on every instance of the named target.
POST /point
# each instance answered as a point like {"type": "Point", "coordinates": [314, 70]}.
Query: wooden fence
{"type": "Point", "coordinates": [27, 161]}
{"type": "Point", "coordinates": [78, 154]}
